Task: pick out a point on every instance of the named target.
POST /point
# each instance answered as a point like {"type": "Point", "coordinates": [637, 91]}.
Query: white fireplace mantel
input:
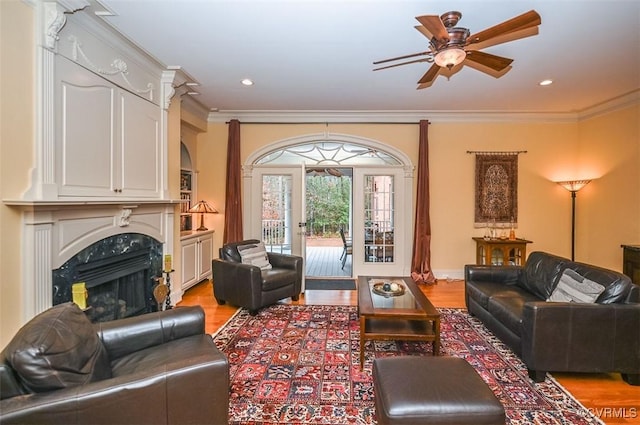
{"type": "Point", "coordinates": [55, 232]}
{"type": "Point", "coordinates": [72, 201]}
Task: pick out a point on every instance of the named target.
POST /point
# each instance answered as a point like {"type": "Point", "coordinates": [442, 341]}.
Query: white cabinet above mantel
{"type": "Point", "coordinates": [108, 140]}
{"type": "Point", "coordinates": [102, 108]}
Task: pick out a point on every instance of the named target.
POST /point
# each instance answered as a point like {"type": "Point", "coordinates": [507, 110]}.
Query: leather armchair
{"type": "Point", "coordinates": [248, 286]}
{"type": "Point", "coordinates": [157, 368]}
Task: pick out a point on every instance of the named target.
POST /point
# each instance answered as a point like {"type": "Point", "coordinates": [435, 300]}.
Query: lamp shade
{"type": "Point", "coordinates": [203, 207]}
{"type": "Point", "coordinates": [448, 58]}
{"type": "Point", "coordinates": [574, 185]}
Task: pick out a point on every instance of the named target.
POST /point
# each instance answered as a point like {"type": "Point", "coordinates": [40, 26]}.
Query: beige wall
{"type": "Point", "coordinates": [17, 127]}
{"type": "Point", "coordinates": [608, 209]}
{"type": "Point", "coordinates": [555, 151]}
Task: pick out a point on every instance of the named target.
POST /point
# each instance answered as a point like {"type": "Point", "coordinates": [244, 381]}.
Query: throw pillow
{"type": "Point", "coordinates": [255, 254]}
{"type": "Point", "coordinates": [572, 287]}
{"type": "Point", "coordinates": [59, 348]}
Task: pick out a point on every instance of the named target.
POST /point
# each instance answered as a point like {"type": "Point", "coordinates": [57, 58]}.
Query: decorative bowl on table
{"type": "Point", "coordinates": [388, 289]}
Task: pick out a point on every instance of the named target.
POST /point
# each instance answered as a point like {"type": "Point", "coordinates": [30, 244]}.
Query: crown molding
{"type": "Point", "coordinates": [194, 107]}
{"type": "Point", "coordinates": [386, 117]}
{"type": "Point", "coordinates": [409, 117]}
{"type": "Point", "coordinates": [620, 102]}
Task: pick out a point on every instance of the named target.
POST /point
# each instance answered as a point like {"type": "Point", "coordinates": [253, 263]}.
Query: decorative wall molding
{"type": "Point", "coordinates": [54, 20]}
{"type": "Point", "coordinates": [93, 43]}
{"type": "Point", "coordinates": [125, 217]}
{"type": "Point", "coordinates": [117, 66]}
{"type": "Point", "coordinates": [74, 5]}
{"type": "Point", "coordinates": [176, 81]}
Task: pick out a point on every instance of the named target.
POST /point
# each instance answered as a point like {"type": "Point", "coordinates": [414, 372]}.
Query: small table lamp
{"type": "Point", "coordinates": [203, 208]}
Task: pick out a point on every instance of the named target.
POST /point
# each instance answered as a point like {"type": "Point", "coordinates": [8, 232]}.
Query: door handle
{"type": "Point", "coordinates": [302, 224]}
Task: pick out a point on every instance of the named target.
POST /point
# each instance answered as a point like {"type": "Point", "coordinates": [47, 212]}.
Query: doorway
{"type": "Point", "coordinates": [378, 179]}
{"type": "Point", "coordinates": [329, 213]}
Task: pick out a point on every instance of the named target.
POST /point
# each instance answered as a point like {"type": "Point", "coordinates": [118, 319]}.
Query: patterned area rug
{"type": "Point", "coordinates": [300, 365]}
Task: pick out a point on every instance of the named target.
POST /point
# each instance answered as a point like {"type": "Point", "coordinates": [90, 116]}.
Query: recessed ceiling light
{"type": "Point", "coordinates": [545, 82]}
{"type": "Point", "coordinates": [247, 82]}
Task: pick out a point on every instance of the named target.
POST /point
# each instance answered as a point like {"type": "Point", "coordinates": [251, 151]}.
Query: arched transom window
{"type": "Point", "coordinates": [328, 153]}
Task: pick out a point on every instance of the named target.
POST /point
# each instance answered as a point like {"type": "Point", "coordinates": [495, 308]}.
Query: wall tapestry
{"type": "Point", "coordinates": [496, 188]}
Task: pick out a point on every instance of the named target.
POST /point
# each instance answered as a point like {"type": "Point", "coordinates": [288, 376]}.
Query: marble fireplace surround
{"type": "Point", "coordinates": [55, 232]}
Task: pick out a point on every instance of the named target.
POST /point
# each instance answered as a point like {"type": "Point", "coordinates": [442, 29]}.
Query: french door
{"type": "Point", "coordinates": [382, 215]}
{"type": "Point", "coordinates": [276, 209]}
{"type": "Point", "coordinates": [381, 221]}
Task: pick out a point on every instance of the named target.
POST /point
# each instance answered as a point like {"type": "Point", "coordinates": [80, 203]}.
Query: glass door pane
{"type": "Point", "coordinates": [276, 213]}
{"type": "Point", "coordinates": [379, 222]}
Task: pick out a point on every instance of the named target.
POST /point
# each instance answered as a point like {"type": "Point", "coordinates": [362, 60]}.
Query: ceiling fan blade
{"type": "Point", "coordinates": [526, 20]}
{"type": "Point", "coordinates": [434, 25]}
{"type": "Point", "coordinates": [430, 75]}
{"type": "Point", "coordinates": [482, 68]}
{"type": "Point", "coordinates": [504, 38]}
{"type": "Point", "coordinates": [403, 63]}
{"type": "Point", "coordinates": [424, 31]}
{"type": "Point", "coordinates": [497, 63]}
{"type": "Point", "coordinates": [412, 55]}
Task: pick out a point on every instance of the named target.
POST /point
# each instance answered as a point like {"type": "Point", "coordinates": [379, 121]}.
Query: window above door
{"type": "Point", "coordinates": [328, 153]}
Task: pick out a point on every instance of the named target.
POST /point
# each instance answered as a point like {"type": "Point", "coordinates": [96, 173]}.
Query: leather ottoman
{"type": "Point", "coordinates": [416, 390]}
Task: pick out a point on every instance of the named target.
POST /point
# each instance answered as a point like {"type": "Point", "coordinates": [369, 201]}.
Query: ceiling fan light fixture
{"type": "Point", "coordinates": [448, 58]}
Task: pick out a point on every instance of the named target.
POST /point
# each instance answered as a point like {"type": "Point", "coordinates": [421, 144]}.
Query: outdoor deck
{"type": "Point", "coordinates": [324, 261]}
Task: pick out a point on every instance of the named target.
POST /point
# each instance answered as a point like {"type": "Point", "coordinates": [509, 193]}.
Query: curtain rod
{"type": "Point", "coordinates": [497, 152]}
{"type": "Point", "coordinates": [332, 123]}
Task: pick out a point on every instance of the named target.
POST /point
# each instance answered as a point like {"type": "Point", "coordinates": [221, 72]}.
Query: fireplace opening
{"type": "Point", "coordinates": [117, 286]}
{"type": "Point", "coordinates": [119, 273]}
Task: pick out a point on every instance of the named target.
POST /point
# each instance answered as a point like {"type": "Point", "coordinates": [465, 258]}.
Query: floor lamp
{"type": "Point", "coordinates": [202, 208]}
{"type": "Point", "coordinates": [573, 186]}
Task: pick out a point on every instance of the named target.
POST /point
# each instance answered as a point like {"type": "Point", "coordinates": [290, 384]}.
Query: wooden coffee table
{"type": "Point", "coordinates": [408, 316]}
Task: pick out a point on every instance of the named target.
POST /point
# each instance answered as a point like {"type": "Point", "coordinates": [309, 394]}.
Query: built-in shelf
{"type": "Point", "coordinates": [186, 198]}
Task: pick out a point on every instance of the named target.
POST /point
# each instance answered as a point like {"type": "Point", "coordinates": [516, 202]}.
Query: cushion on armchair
{"type": "Point", "coordinates": [255, 254]}
{"type": "Point", "coordinates": [57, 349]}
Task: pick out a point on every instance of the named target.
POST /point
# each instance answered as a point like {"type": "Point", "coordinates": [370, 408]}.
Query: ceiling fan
{"type": "Point", "coordinates": [452, 47]}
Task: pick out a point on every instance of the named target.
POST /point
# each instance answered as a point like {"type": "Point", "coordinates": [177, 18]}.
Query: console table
{"type": "Point", "coordinates": [501, 252]}
{"type": "Point", "coordinates": [631, 262]}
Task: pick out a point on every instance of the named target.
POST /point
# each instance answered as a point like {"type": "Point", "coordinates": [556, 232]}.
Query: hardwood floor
{"type": "Point", "coordinates": [605, 395]}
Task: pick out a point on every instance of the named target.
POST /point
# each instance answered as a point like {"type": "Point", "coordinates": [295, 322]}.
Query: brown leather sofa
{"type": "Point", "coordinates": [597, 337]}
{"type": "Point", "coordinates": [248, 286]}
{"type": "Point", "coordinates": [157, 368]}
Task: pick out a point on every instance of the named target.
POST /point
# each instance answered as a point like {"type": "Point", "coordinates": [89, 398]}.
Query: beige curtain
{"type": "Point", "coordinates": [233, 197]}
{"type": "Point", "coordinates": [421, 259]}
